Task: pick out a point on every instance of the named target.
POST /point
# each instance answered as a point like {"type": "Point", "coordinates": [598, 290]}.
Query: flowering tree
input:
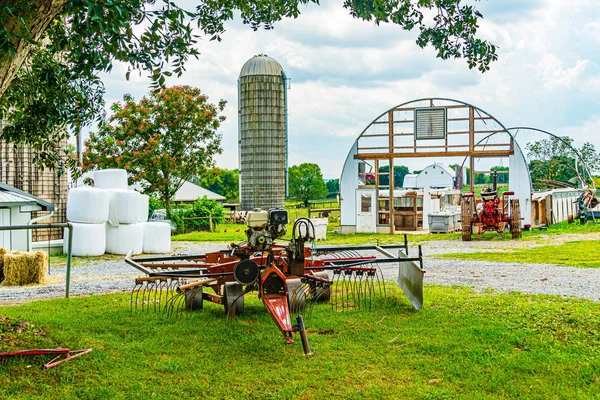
{"type": "Point", "coordinates": [162, 141]}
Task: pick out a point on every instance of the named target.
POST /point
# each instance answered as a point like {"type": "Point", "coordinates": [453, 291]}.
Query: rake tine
{"type": "Point", "coordinates": [134, 290]}
{"type": "Point", "coordinates": [180, 304]}
{"type": "Point", "coordinates": [300, 296]}
{"type": "Point", "coordinates": [362, 289]}
{"type": "Point", "coordinates": [335, 283]}
{"type": "Point", "coordinates": [370, 279]}
{"type": "Point", "coordinates": [379, 280]}
{"type": "Point", "coordinates": [156, 293]}
{"type": "Point", "coordinates": [170, 305]}
{"type": "Point", "coordinates": [161, 286]}
{"type": "Point", "coordinates": [144, 293]}
{"type": "Point", "coordinates": [137, 294]}
{"type": "Point", "coordinates": [349, 288]}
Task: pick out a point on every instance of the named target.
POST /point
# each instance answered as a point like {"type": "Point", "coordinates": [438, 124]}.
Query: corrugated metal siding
{"type": "Point", "coordinates": [18, 169]}
{"type": "Point", "coordinates": [262, 140]}
{"type": "Point", "coordinates": [6, 197]}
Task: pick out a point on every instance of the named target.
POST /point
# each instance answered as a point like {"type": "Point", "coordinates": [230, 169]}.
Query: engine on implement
{"type": "Point", "coordinates": [496, 213]}
{"type": "Point", "coordinates": [287, 276]}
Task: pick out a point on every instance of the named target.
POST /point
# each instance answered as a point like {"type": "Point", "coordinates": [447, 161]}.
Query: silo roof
{"type": "Point", "coordinates": [261, 65]}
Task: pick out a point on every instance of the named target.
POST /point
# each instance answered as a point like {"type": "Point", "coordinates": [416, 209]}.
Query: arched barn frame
{"type": "Point", "coordinates": [434, 128]}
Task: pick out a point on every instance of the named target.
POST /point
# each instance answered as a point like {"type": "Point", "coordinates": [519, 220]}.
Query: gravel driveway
{"type": "Point", "coordinates": [116, 276]}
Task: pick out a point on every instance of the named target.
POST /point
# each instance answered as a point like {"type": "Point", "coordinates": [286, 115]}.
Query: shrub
{"type": "Point", "coordinates": [201, 208]}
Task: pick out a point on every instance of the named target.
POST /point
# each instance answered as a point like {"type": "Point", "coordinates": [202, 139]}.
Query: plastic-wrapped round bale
{"type": "Point", "coordinates": [124, 206]}
{"type": "Point", "coordinates": [143, 208]}
{"type": "Point", "coordinates": [157, 237]}
{"type": "Point", "coordinates": [88, 239]}
{"type": "Point", "coordinates": [110, 179]}
{"type": "Point", "coordinates": [124, 238]}
{"type": "Point", "coordinates": [87, 205]}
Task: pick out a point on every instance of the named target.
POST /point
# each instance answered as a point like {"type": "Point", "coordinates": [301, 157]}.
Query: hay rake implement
{"type": "Point", "coordinates": [289, 277]}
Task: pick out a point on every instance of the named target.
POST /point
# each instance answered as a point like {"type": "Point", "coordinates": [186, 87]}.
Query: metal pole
{"type": "Point", "coordinates": [67, 225]}
{"type": "Point", "coordinates": [69, 259]}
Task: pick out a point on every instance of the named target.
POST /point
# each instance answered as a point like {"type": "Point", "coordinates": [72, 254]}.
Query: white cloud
{"type": "Point", "coordinates": [554, 75]}
{"type": "Point", "coordinates": [346, 72]}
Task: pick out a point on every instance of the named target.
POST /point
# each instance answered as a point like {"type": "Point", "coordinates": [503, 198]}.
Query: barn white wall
{"type": "Point", "coordinates": [348, 185]}
{"type": "Point", "coordinates": [19, 238]}
{"type": "Point", "coordinates": [520, 183]}
{"type": "Point", "coordinates": [435, 176]}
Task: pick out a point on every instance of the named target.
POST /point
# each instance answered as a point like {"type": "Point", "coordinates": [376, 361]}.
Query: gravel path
{"type": "Point", "coordinates": [116, 276]}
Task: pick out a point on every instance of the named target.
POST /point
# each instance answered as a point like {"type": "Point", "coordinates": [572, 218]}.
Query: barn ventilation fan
{"type": "Point", "coordinates": [430, 123]}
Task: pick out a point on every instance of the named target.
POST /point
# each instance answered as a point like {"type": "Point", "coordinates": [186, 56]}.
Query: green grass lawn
{"type": "Point", "coordinates": [584, 254]}
{"type": "Point", "coordinates": [460, 345]}
{"type": "Point", "coordinates": [227, 233]}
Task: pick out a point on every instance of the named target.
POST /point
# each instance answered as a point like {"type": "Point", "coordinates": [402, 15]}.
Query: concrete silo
{"type": "Point", "coordinates": [262, 116]}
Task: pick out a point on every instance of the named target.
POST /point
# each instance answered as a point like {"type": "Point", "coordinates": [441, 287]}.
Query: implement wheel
{"type": "Point", "coordinates": [232, 291]}
{"type": "Point", "coordinates": [515, 221]}
{"type": "Point", "coordinates": [296, 296]}
{"type": "Point", "coordinates": [317, 291]}
{"type": "Point", "coordinates": [193, 299]}
{"type": "Point", "coordinates": [465, 217]}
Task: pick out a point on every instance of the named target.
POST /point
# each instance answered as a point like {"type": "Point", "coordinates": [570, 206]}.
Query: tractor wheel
{"type": "Point", "coordinates": [232, 291]}
{"type": "Point", "coordinates": [193, 299]}
{"type": "Point", "coordinates": [465, 217]}
{"type": "Point", "coordinates": [296, 295]}
{"type": "Point", "coordinates": [515, 221]}
{"type": "Point", "coordinates": [320, 293]}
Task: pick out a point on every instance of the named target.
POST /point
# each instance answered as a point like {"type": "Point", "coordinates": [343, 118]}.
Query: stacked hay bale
{"type": "Point", "coordinates": [24, 267]}
{"type": "Point", "coordinates": [124, 213]}
{"type": "Point", "coordinates": [2, 253]}
{"type": "Point", "coordinates": [88, 211]}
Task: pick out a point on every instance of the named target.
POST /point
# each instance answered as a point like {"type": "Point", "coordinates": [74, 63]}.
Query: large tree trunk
{"type": "Point", "coordinates": [45, 12]}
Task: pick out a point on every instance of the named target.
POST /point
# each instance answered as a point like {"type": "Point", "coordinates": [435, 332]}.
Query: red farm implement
{"type": "Point", "coordinates": [288, 276]}
{"type": "Point", "coordinates": [495, 213]}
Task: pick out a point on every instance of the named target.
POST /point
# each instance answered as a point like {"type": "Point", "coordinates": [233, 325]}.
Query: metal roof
{"type": "Point", "coordinates": [261, 65]}
{"type": "Point", "coordinates": [14, 196]}
{"type": "Point", "coordinates": [190, 192]}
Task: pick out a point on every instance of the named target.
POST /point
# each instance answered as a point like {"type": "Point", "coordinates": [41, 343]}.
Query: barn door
{"type": "Point", "coordinates": [366, 218]}
{"type": "Point", "coordinates": [5, 221]}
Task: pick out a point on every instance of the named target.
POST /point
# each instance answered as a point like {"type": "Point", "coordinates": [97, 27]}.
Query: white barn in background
{"type": "Point", "coordinates": [433, 176]}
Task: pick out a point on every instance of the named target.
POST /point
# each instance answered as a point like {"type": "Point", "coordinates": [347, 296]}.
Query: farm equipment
{"type": "Point", "coordinates": [288, 276]}
{"type": "Point", "coordinates": [586, 204]}
{"type": "Point", "coordinates": [497, 213]}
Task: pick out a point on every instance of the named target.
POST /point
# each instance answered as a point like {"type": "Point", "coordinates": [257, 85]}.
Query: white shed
{"type": "Point", "coordinates": [15, 209]}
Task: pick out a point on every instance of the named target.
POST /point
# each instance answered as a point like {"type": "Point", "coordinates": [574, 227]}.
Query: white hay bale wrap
{"type": "Point", "coordinates": [157, 237]}
{"type": "Point", "coordinates": [124, 238]}
{"type": "Point", "coordinates": [87, 205]}
{"type": "Point", "coordinates": [88, 239]}
{"type": "Point", "coordinates": [110, 179]}
{"type": "Point", "coordinates": [144, 206]}
{"type": "Point", "coordinates": [124, 206]}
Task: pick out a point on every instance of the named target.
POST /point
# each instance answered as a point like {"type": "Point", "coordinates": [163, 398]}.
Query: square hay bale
{"type": "Point", "coordinates": [23, 268]}
{"type": "Point", "coordinates": [2, 253]}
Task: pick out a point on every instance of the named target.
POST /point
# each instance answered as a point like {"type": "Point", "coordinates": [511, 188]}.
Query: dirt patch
{"type": "Point", "coordinates": [15, 334]}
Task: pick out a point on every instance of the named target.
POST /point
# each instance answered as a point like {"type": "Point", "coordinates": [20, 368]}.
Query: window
{"type": "Point", "coordinates": [365, 203]}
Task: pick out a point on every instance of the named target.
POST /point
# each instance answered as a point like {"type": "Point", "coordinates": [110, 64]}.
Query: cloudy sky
{"type": "Point", "coordinates": [344, 73]}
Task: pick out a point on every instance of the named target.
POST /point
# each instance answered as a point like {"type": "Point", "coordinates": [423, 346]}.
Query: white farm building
{"type": "Point", "coordinates": [434, 176]}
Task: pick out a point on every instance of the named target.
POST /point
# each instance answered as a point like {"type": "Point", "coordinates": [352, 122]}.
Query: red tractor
{"type": "Point", "coordinates": [496, 213]}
